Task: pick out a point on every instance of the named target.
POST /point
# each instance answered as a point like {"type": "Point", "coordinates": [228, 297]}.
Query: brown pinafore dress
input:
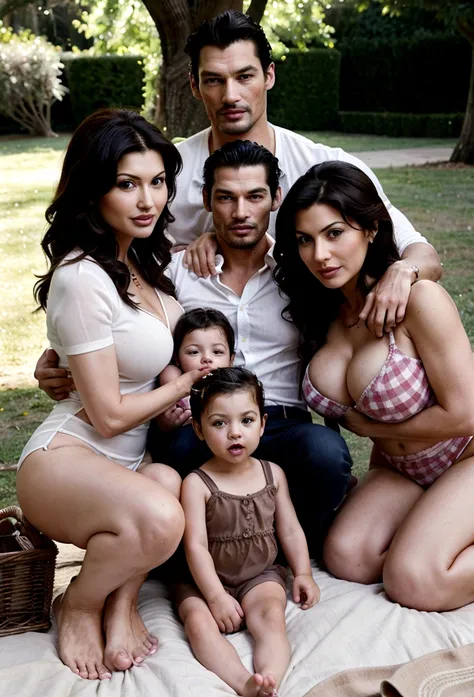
{"type": "Point", "coordinates": [241, 536]}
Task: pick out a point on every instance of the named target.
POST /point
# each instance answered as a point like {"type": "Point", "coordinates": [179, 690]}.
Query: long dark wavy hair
{"type": "Point", "coordinates": [89, 171]}
{"type": "Point", "coordinates": [312, 307]}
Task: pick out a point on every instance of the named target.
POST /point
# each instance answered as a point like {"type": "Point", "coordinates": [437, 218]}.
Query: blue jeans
{"type": "Point", "coordinates": [315, 459]}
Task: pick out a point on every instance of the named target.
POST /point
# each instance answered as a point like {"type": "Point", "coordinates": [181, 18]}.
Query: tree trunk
{"type": "Point", "coordinates": [464, 150]}
{"type": "Point", "coordinates": [178, 113]}
{"type": "Point", "coordinates": [256, 10]}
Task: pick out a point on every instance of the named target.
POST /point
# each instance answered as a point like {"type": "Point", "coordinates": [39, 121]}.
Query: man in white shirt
{"type": "Point", "coordinates": [241, 190]}
{"type": "Point", "coordinates": [231, 70]}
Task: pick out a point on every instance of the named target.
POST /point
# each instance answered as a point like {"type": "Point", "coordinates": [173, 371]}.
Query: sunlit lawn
{"type": "Point", "coordinates": [356, 142]}
{"type": "Point", "coordinates": [439, 202]}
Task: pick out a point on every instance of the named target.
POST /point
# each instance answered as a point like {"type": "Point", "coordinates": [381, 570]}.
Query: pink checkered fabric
{"type": "Point", "coordinates": [318, 402]}
{"type": "Point", "coordinates": [400, 390]}
{"type": "Point", "coordinates": [425, 466]}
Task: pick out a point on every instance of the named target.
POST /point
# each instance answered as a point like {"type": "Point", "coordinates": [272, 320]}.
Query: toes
{"type": "Point", "coordinates": [82, 670]}
{"type": "Point", "coordinates": [138, 657]}
{"type": "Point", "coordinates": [103, 672]}
{"type": "Point", "coordinates": [153, 639]}
{"type": "Point", "coordinates": [92, 673]}
{"type": "Point", "coordinates": [72, 665]}
{"type": "Point", "coordinates": [120, 660]}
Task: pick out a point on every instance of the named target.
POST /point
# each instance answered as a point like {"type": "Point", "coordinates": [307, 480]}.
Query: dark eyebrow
{"type": "Point", "coordinates": [247, 69]}
{"type": "Point", "coordinates": [336, 222]}
{"type": "Point", "coordinates": [134, 176]}
{"type": "Point", "coordinates": [211, 73]}
{"type": "Point", "coordinates": [258, 190]}
{"type": "Point", "coordinates": [249, 411]}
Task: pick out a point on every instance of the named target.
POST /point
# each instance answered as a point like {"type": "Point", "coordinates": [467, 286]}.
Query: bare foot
{"type": "Point", "coordinates": [81, 646]}
{"type": "Point", "coordinates": [260, 686]}
{"type": "Point", "coordinates": [128, 641]}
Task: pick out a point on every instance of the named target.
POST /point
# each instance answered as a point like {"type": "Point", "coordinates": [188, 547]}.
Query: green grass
{"type": "Point", "coordinates": [356, 142]}
{"type": "Point", "coordinates": [439, 202]}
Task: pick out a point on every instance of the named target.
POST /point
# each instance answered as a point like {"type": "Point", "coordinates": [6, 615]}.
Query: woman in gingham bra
{"type": "Point", "coordinates": [410, 521]}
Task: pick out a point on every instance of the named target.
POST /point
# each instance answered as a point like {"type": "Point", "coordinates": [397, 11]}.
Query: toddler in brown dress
{"type": "Point", "coordinates": [232, 504]}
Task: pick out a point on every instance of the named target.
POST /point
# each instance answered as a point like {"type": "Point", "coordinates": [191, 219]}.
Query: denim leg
{"type": "Point", "coordinates": [179, 448]}
{"type": "Point", "coordinates": [317, 464]}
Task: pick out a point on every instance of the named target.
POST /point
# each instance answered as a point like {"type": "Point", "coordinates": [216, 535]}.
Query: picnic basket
{"type": "Point", "coordinates": [27, 561]}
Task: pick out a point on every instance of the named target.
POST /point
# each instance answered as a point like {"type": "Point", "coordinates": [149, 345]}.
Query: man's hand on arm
{"type": "Point", "coordinates": [386, 304]}
{"type": "Point", "coordinates": [56, 382]}
{"type": "Point", "coordinates": [200, 255]}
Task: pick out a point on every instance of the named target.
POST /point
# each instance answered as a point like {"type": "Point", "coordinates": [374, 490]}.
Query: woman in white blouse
{"type": "Point", "coordinates": [110, 314]}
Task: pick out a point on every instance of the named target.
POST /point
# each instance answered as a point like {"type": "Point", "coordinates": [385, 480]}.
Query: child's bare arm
{"type": "Point", "coordinates": [225, 610]}
{"type": "Point", "coordinates": [293, 542]}
{"type": "Point", "coordinates": [168, 374]}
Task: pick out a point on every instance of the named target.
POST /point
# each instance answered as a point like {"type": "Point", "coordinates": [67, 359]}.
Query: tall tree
{"type": "Point", "coordinates": [177, 110]}
{"type": "Point", "coordinates": [175, 20]}
{"type": "Point", "coordinates": [458, 14]}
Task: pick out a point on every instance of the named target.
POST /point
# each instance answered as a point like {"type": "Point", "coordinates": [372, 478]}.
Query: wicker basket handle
{"type": "Point", "coordinates": [31, 537]}
{"type": "Point", "coordinates": [12, 512]}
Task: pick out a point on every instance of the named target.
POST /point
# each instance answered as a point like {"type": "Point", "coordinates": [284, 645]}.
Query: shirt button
{"type": "Point", "coordinates": [249, 516]}
{"type": "Point", "coordinates": [245, 502]}
{"type": "Point", "coordinates": [246, 533]}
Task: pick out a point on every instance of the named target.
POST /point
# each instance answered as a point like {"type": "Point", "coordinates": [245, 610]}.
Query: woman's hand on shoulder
{"type": "Point", "coordinates": [200, 255]}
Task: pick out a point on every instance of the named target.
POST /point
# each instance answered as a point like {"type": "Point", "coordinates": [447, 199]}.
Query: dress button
{"type": "Point", "coordinates": [246, 533]}
{"type": "Point", "coordinates": [245, 502]}
{"type": "Point", "coordinates": [249, 516]}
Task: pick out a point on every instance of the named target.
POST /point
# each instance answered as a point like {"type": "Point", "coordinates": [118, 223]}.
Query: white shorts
{"type": "Point", "coordinates": [127, 449]}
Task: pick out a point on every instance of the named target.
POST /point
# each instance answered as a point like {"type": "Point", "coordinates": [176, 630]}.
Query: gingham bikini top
{"type": "Point", "coordinates": [400, 390]}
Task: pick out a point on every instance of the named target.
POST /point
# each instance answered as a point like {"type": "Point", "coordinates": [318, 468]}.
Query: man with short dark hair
{"type": "Point", "coordinates": [241, 189]}
{"type": "Point", "coordinates": [231, 70]}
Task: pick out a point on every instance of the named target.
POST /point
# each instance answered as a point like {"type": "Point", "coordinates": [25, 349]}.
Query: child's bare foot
{"type": "Point", "coordinates": [81, 646]}
{"type": "Point", "coordinates": [260, 686]}
{"type": "Point", "coordinates": [128, 641]}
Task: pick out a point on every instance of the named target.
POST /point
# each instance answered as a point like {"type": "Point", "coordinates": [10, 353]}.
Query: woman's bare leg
{"type": "Point", "coordinates": [264, 608]}
{"type": "Point", "coordinates": [430, 564]}
{"type": "Point", "coordinates": [128, 641]}
{"type": "Point", "coordinates": [127, 524]}
{"type": "Point", "coordinates": [358, 540]}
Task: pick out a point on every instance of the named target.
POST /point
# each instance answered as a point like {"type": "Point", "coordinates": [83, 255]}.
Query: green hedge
{"type": "Point", "coordinates": [306, 92]}
{"type": "Point", "coordinates": [100, 81]}
{"type": "Point", "coordinates": [402, 125]}
{"type": "Point", "coordinates": [429, 76]}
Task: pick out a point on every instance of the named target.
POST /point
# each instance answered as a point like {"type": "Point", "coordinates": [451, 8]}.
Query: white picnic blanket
{"type": "Point", "coordinates": [352, 626]}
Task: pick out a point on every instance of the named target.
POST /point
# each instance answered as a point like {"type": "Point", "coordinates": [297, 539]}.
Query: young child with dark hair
{"type": "Point", "coordinates": [233, 505]}
{"type": "Point", "coordinates": [203, 338]}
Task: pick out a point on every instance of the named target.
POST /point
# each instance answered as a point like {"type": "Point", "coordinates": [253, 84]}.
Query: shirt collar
{"type": "Point", "coordinates": [269, 258]}
{"type": "Point", "coordinates": [197, 174]}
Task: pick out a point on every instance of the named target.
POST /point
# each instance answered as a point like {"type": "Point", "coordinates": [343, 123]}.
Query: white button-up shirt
{"type": "Point", "coordinates": [295, 153]}
{"type": "Point", "coordinates": [265, 343]}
